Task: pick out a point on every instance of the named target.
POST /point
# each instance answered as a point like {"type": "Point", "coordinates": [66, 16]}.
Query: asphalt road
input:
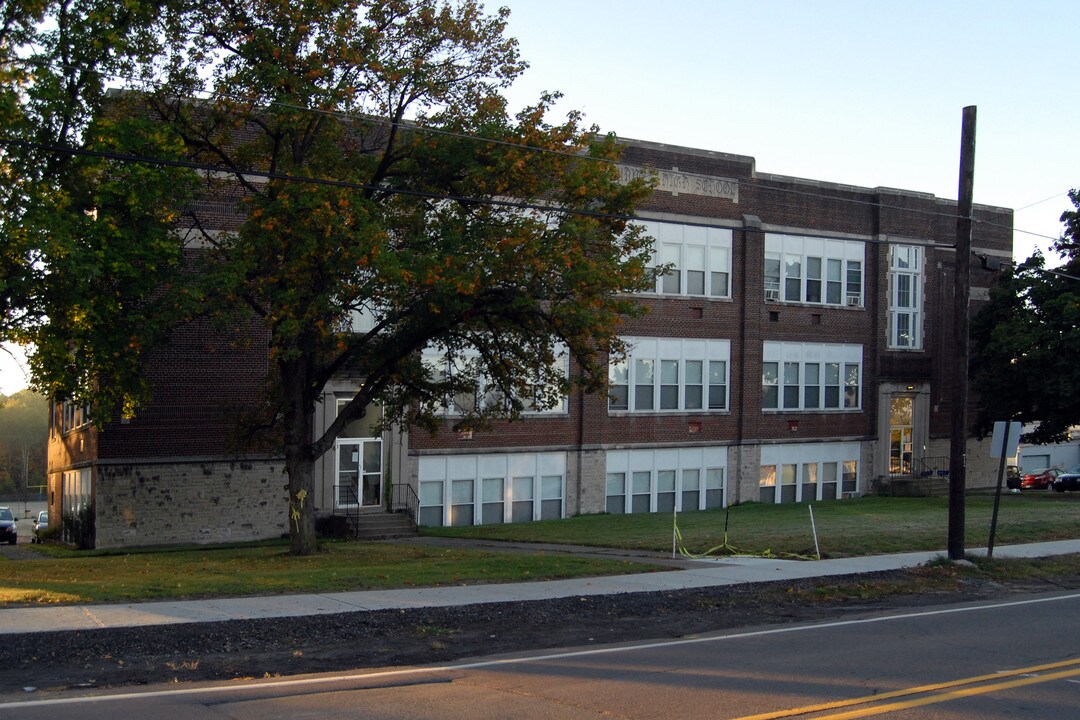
{"type": "Point", "coordinates": [1018, 658]}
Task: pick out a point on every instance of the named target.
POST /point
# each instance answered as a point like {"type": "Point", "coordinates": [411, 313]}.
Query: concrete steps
{"type": "Point", "coordinates": [381, 525]}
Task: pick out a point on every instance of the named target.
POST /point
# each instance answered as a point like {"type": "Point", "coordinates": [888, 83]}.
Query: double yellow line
{"type": "Point", "coordinates": [931, 694]}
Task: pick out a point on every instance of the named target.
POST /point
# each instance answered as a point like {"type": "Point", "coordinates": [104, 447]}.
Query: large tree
{"type": "Point", "coordinates": [371, 169]}
{"type": "Point", "coordinates": [1027, 339]}
{"type": "Point", "coordinates": [85, 236]}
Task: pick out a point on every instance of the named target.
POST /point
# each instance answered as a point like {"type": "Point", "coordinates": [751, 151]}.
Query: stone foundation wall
{"type": "Point", "coordinates": [189, 502]}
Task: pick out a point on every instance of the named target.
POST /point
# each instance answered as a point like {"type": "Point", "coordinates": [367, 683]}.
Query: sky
{"type": "Point", "coordinates": [867, 93]}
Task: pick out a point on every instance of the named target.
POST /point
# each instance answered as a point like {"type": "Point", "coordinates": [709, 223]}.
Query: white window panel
{"type": "Point", "coordinates": [811, 376]}
{"type": "Point", "coordinates": [671, 375]}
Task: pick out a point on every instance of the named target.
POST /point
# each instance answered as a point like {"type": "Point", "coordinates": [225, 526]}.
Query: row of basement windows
{"type": "Point", "coordinates": [807, 482]}
{"type": "Point", "coordinates": [811, 270]}
{"type": "Point", "coordinates": [494, 489]}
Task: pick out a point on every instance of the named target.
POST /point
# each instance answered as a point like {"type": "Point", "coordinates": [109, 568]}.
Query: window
{"type": "Point", "coordinates": [619, 385]}
{"type": "Point", "coordinates": [693, 388]}
{"type": "Point", "coordinates": [670, 375]}
{"type": "Point", "coordinates": [905, 297]}
{"type": "Point", "coordinates": [810, 376]}
{"type": "Point", "coordinates": [714, 488]}
{"type": "Point", "coordinates": [684, 479]}
{"type": "Point", "coordinates": [698, 259]}
{"type": "Point", "coordinates": [551, 497]}
{"type": "Point", "coordinates": [491, 489]}
{"type": "Point", "coordinates": [691, 488]}
{"type": "Point", "coordinates": [492, 512]}
{"type": "Point", "coordinates": [717, 385]}
{"type": "Point", "coordinates": [813, 270]}
{"type": "Point", "coordinates": [461, 508]}
{"type": "Point", "coordinates": [72, 416]}
{"type": "Point", "coordinates": [808, 472]}
{"type": "Point", "coordinates": [665, 490]}
{"type": "Point", "coordinates": [522, 507]}
{"type": "Point", "coordinates": [641, 487]}
{"type": "Point", "coordinates": [616, 493]}
{"type": "Point", "coordinates": [476, 392]}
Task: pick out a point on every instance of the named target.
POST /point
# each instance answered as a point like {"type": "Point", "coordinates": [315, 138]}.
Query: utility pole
{"type": "Point", "coordinates": [961, 295]}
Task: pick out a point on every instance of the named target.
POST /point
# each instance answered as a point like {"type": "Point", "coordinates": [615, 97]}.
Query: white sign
{"type": "Point", "coordinates": [998, 439]}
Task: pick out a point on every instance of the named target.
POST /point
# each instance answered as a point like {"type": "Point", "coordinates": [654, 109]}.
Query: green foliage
{"type": "Point", "coordinates": [1025, 343]}
{"type": "Point", "coordinates": [86, 236]}
{"type": "Point", "coordinates": [24, 428]}
{"type": "Point", "coordinates": [78, 527]}
{"type": "Point", "coordinates": [366, 164]}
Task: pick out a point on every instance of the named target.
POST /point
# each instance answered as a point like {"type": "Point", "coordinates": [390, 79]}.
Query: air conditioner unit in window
{"type": "Point", "coordinates": [854, 300]}
{"type": "Point", "coordinates": [772, 295]}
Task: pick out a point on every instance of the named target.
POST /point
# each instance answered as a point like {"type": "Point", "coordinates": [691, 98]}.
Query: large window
{"type": "Point", "coordinates": [640, 481]}
{"type": "Point", "coordinates": [811, 376]}
{"type": "Point", "coordinates": [812, 270]}
{"type": "Point", "coordinates": [492, 489]}
{"type": "Point", "coordinates": [698, 259]}
{"type": "Point", "coordinates": [905, 297]}
{"type": "Point", "coordinates": [808, 472]}
{"type": "Point", "coordinates": [443, 366]}
{"type": "Point", "coordinates": [662, 374]}
{"type": "Point", "coordinates": [72, 416]}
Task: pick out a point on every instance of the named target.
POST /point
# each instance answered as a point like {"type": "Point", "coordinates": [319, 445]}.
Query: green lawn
{"type": "Point", "coordinates": [267, 569]}
{"type": "Point", "coordinates": [849, 527]}
{"type": "Point", "coordinates": [862, 526]}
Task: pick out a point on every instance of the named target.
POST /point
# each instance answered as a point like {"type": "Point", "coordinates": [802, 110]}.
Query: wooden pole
{"type": "Point", "coordinates": [961, 294]}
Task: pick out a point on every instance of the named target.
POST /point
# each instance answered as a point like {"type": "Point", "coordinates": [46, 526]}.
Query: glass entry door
{"type": "Point", "coordinates": [359, 472]}
{"type": "Point", "coordinates": [901, 424]}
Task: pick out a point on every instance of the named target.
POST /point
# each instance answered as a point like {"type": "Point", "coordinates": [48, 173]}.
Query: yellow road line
{"type": "Point", "coordinates": [924, 689]}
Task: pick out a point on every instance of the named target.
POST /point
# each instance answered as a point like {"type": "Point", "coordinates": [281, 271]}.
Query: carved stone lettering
{"type": "Point", "coordinates": [676, 182]}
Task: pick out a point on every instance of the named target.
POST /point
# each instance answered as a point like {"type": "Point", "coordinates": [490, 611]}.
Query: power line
{"type": "Point", "coordinates": [411, 126]}
{"type": "Point", "coordinates": [1040, 202]}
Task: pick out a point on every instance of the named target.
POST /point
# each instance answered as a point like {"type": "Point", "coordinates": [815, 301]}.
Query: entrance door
{"type": "Point", "coordinates": [901, 424]}
{"type": "Point", "coordinates": [359, 472]}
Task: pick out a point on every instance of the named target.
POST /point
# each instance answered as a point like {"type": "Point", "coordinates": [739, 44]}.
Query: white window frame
{"type": "Point", "coordinates": [438, 475]}
{"type": "Point", "coordinates": [661, 375]}
{"type": "Point", "coordinates": [695, 470]}
{"type": "Point", "coordinates": [788, 267]}
{"type": "Point", "coordinates": [793, 373]}
{"type": "Point", "coordinates": [792, 466]}
{"type": "Point", "coordinates": [905, 296]}
{"type": "Point", "coordinates": [700, 256]}
{"type": "Point", "coordinates": [439, 363]}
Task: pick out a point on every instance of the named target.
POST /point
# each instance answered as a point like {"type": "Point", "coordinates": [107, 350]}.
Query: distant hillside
{"type": "Point", "coordinates": [24, 434]}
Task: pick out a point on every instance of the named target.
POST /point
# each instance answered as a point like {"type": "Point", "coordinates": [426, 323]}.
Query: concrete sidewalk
{"type": "Point", "coordinates": [688, 575]}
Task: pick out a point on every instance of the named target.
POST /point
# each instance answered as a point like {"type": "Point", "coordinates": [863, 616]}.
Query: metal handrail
{"type": "Point", "coordinates": [351, 511]}
{"type": "Point", "coordinates": [403, 498]}
{"type": "Point", "coordinates": [932, 466]}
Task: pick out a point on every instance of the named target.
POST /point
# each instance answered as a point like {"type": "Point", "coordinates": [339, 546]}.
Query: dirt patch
{"type": "Point", "coordinates": [289, 646]}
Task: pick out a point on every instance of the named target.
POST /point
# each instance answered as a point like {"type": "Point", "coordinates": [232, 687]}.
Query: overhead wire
{"type": "Point", "coordinates": [413, 127]}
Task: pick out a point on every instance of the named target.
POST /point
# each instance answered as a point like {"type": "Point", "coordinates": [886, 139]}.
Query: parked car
{"type": "Point", "coordinates": [1039, 479]}
{"type": "Point", "coordinates": [8, 529]}
{"type": "Point", "coordinates": [40, 526]}
{"type": "Point", "coordinates": [1012, 477]}
{"type": "Point", "coordinates": [1069, 480]}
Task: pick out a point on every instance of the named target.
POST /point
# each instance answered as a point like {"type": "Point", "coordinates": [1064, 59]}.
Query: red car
{"type": "Point", "coordinates": [1040, 479]}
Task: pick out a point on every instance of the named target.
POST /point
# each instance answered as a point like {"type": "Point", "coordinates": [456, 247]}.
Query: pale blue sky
{"type": "Point", "coordinates": [864, 93]}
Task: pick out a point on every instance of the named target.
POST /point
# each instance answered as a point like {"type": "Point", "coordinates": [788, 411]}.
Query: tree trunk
{"type": "Point", "coordinates": [299, 465]}
{"type": "Point", "coordinates": [299, 462]}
